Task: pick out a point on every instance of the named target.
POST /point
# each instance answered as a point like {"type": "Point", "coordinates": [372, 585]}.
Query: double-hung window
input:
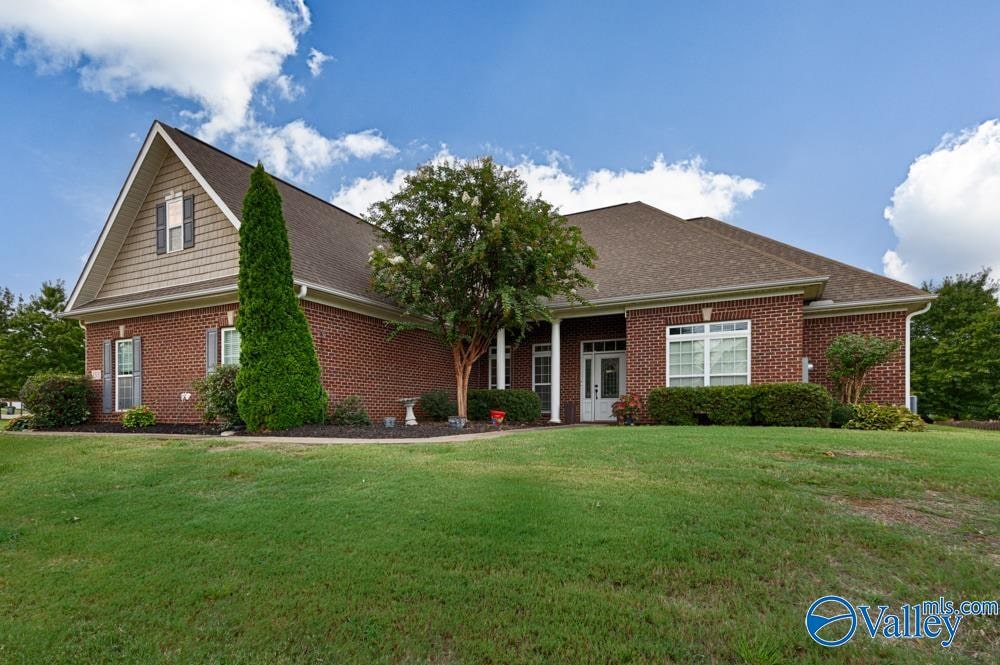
{"type": "Point", "coordinates": [124, 369]}
{"type": "Point", "coordinates": [175, 223]}
{"type": "Point", "coordinates": [541, 374]}
{"type": "Point", "coordinates": [493, 368]}
{"type": "Point", "coordinates": [230, 346]}
{"type": "Point", "coordinates": [709, 354]}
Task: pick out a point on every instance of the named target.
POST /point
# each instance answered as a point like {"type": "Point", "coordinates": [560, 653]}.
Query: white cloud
{"type": "Point", "coordinates": [297, 151]}
{"type": "Point", "coordinates": [683, 188]}
{"type": "Point", "coordinates": [316, 61]}
{"type": "Point", "coordinates": [223, 55]}
{"type": "Point", "coordinates": [946, 214]}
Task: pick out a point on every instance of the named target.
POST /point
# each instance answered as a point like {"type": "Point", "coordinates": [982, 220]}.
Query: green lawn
{"type": "Point", "coordinates": [582, 545]}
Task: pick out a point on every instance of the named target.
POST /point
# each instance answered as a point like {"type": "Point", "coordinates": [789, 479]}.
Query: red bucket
{"type": "Point", "coordinates": [497, 416]}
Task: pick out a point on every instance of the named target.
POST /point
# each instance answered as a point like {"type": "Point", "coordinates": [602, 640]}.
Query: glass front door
{"type": "Point", "coordinates": [602, 379]}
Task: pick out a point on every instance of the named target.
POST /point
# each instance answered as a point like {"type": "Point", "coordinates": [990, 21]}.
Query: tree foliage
{"type": "Point", "coordinates": [851, 357]}
{"type": "Point", "coordinates": [955, 349]}
{"type": "Point", "coordinates": [33, 340]}
{"type": "Point", "coordinates": [278, 382]}
{"type": "Point", "coordinates": [467, 252]}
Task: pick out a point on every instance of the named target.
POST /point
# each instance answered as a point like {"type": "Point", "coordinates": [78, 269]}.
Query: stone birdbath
{"type": "Point", "coordinates": [409, 403]}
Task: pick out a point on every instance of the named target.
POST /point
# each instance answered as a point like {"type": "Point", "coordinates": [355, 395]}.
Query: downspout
{"type": "Point", "coordinates": [909, 317]}
{"type": "Point", "coordinates": [303, 290]}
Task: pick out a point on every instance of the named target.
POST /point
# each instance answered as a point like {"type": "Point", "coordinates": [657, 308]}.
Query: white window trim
{"type": "Point", "coordinates": [118, 375]}
{"type": "Point", "coordinates": [178, 199]}
{"type": "Point", "coordinates": [222, 346]}
{"type": "Point", "coordinates": [492, 360]}
{"type": "Point", "coordinates": [542, 351]}
{"type": "Point", "coordinates": [706, 336]}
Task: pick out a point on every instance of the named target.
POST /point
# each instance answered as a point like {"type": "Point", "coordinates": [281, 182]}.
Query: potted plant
{"type": "Point", "coordinates": [626, 409]}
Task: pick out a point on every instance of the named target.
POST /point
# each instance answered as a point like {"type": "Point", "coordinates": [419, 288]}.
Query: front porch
{"type": "Point", "coordinates": [578, 364]}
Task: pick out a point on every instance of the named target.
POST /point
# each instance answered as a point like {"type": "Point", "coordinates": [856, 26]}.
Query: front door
{"type": "Point", "coordinates": [603, 379]}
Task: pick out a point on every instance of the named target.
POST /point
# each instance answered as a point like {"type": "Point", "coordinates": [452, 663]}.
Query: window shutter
{"type": "Point", "coordinates": [107, 376]}
{"type": "Point", "coordinates": [136, 371]}
{"type": "Point", "coordinates": [211, 349]}
{"type": "Point", "coordinates": [161, 228]}
{"type": "Point", "coordinates": [188, 221]}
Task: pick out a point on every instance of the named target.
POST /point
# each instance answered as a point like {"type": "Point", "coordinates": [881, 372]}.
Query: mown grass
{"type": "Point", "coordinates": [582, 545]}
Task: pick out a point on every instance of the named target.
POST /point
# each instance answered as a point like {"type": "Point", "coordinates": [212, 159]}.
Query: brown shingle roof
{"type": "Point", "coordinates": [847, 283]}
{"type": "Point", "coordinates": [645, 251]}
{"type": "Point", "coordinates": [642, 251]}
{"type": "Point", "coordinates": [329, 246]}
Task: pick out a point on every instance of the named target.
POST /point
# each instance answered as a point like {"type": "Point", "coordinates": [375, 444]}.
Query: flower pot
{"type": "Point", "coordinates": [630, 420]}
{"type": "Point", "coordinates": [497, 416]}
{"type": "Point", "coordinates": [456, 422]}
{"type": "Point", "coordinates": [389, 422]}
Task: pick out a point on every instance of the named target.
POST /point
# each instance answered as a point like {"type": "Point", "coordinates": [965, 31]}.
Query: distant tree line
{"type": "Point", "coordinates": [33, 339]}
{"type": "Point", "coordinates": [955, 349]}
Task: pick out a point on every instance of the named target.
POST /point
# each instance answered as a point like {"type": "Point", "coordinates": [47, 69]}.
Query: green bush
{"type": "Point", "coordinates": [350, 412]}
{"type": "Point", "coordinates": [20, 423]}
{"type": "Point", "coordinates": [55, 400]}
{"type": "Point", "coordinates": [770, 404]}
{"type": "Point", "coordinates": [138, 416]}
{"type": "Point", "coordinates": [886, 417]}
{"type": "Point", "coordinates": [278, 383]}
{"type": "Point", "coordinates": [842, 414]}
{"type": "Point", "coordinates": [217, 397]}
{"type": "Point", "coordinates": [437, 404]}
{"type": "Point", "coordinates": [791, 405]}
{"type": "Point", "coordinates": [721, 405]}
{"type": "Point", "coordinates": [521, 406]}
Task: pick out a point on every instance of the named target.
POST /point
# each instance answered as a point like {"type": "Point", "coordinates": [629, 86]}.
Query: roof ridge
{"type": "Point", "coordinates": [734, 241]}
{"type": "Point", "coordinates": [805, 251]}
{"type": "Point", "coordinates": [613, 205]}
{"type": "Point", "coordinates": [251, 167]}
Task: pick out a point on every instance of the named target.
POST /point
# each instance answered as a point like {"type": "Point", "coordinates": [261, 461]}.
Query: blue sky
{"type": "Point", "coordinates": [796, 120]}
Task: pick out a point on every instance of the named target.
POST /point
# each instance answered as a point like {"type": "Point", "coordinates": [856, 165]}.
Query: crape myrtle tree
{"type": "Point", "coordinates": [278, 383]}
{"type": "Point", "coordinates": [851, 357]}
{"type": "Point", "coordinates": [467, 252]}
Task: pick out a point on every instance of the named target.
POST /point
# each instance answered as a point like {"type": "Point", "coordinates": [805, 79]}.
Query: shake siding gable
{"type": "Point", "coordinates": [214, 254]}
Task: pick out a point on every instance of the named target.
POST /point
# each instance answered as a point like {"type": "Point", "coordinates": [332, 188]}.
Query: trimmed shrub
{"type": "Point", "coordinates": [138, 416]}
{"type": "Point", "coordinates": [770, 404]}
{"type": "Point", "coordinates": [55, 400]}
{"type": "Point", "coordinates": [841, 414]}
{"type": "Point", "coordinates": [437, 404]}
{"type": "Point", "coordinates": [885, 417]}
{"type": "Point", "coordinates": [791, 405]}
{"type": "Point", "coordinates": [279, 379]}
{"type": "Point", "coordinates": [521, 406]}
{"type": "Point", "coordinates": [716, 405]}
{"type": "Point", "coordinates": [350, 412]}
{"type": "Point", "coordinates": [217, 397]}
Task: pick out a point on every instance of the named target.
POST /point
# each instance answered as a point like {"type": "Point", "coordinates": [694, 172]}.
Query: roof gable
{"type": "Point", "coordinates": [157, 146]}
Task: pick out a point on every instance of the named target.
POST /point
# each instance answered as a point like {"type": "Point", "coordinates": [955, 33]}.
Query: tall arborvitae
{"type": "Point", "coordinates": [279, 378]}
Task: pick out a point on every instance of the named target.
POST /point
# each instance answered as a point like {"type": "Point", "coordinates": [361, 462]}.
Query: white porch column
{"type": "Point", "coordinates": [556, 374]}
{"type": "Point", "coordinates": [501, 373]}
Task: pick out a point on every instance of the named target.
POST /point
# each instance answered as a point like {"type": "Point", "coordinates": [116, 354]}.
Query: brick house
{"type": "Point", "coordinates": [678, 302]}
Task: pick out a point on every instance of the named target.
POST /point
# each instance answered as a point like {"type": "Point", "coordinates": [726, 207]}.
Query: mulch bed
{"type": "Point", "coordinates": [326, 431]}
{"type": "Point", "coordinates": [398, 432]}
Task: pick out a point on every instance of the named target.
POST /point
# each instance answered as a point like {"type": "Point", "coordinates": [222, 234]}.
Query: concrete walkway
{"type": "Point", "coordinates": [313, 440]}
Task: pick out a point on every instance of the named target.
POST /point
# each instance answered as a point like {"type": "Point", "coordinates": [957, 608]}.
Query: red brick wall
{"type": "Point", "coordinates": [173, 356]}
{"type": "Point", "coordinates": [889, 380]}
{"type": "Point", "coordinates": [356, 358]}
{"type": "Point", "coordinates": [775, 338]}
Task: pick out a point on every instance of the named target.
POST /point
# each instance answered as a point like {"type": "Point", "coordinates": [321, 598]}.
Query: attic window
{"type": "Point", "coordinates": [175, 223]}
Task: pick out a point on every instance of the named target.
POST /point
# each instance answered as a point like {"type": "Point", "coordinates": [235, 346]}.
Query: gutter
{"type": "Point", "coordinates": [909, 317]}
{"type": "Point", "coordinates": [864, 304]}
{"type": "Point", "coordinates": [73, 313]}
{"type": "Point", "coordinates": [694, 293]}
